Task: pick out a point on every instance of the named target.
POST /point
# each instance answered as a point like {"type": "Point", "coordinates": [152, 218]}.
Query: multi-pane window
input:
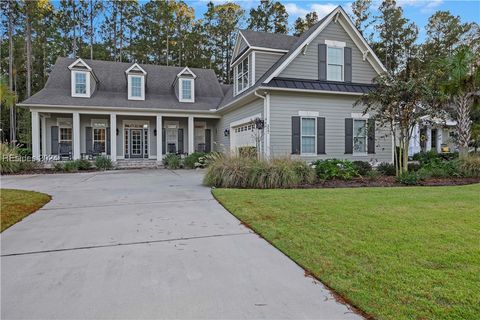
{"type": "Point", "coordinates": [136, 86]}
{"type": "Point", "coordinates": [335, 64]}
{"type": "Point", "coordinates": [186, 89]}
{"type": "Point", "coordinates": [308, 126]}
{"type": "Point", "coordinates": [80, 82]}
{"type": "Point", "coordinates": [99, 140]}
{"type": "Point", "coordinates": [66, 135]}
{"type": "Point", "coordinates": [242, 75]}
{"type": "Point", "coordinates": [360, 136]}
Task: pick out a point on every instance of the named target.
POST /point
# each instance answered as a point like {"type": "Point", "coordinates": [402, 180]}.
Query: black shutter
{"type": "Point", "coordinates": [88, 140]}
{"type": "Point", "coordinates": [347, 52]}
{"type": "Point", "coordinates": [320, 135]}
{"type": "Point", "coordinates": [348, 136]}
{"type": "Point", "coordinates": [180, 141]}
{"type": "Point", "coordinates": [54, 140]}
{"type": "Point", "coordinates": [208, 140]}
{"type": "Point", "coordinates": [164, 142]}
{"type": "Point", "coordinates": [371, 136]}
{"type": "Point", "coordinates": [108, 140]}
{"type": "Point", "coordinates": [322, 61]}
{"type": "Point", "coordinates": [296, 135]}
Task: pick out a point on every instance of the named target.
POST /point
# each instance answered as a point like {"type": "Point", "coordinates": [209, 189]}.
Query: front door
{"type": "Point", "coordinates": [136, 145]}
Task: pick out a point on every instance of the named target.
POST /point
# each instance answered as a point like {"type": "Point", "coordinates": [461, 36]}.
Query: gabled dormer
{"type": "Point", "coordinates": [185, 85]}
{"type": "Point", "coordinates": [83, 79]}
{"type": "Point", "coordinates": [136, 78]}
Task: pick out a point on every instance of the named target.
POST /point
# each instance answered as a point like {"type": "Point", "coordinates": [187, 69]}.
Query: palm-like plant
{"type": "Point", "coordinates": [462, 85]}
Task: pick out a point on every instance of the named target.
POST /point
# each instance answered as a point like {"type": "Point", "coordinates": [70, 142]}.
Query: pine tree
{"type": "Point", "coordinates": [269, 16]}
{"type": "Point", "coordinates": [302, 25]}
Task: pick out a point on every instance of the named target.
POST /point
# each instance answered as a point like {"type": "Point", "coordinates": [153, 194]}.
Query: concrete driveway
{"type": "Point", "coordinates": [146, 244]}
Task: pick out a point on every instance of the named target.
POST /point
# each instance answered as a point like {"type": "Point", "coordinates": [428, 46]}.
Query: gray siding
{"type": "Point", "coordinates": [241, 46]}
{"type": "Point", "coordinates": [305, 66]}
{"type": "Point", "coordinates": [222, 143]}
{"type": "Point", "coordinates": [335, 108]}
{"type": "Point", "coordinates": [263, 62]}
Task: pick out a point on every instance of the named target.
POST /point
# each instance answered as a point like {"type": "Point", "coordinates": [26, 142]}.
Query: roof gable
{"type": "Point", "coordinates": [79, 63]}
{"type": "Point", "coordinates": [186, 71]}
{"type": "Point", "coordinates": [136, 68]}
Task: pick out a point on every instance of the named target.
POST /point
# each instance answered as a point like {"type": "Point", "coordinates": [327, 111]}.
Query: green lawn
{"type": "Point", "coordinates": [17, 204]}
{"type": "Point", "coordinates": [396, 253]}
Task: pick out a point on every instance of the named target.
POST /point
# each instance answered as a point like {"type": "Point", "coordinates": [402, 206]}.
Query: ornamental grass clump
{"type": "Point", "coordinates": [470, 166]}
{"type": "Point", "coordinates": [247, 172]}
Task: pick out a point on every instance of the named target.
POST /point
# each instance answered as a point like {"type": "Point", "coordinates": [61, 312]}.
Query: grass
{"type": "Point", "coordinates": [17, 204]}
{"type": "Point", "coordinates": [395, 253]}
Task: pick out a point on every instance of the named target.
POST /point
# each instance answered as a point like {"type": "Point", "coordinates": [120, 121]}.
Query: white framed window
{"type": "Point", "coordinates": [308, 129]}
{"type": "Point", "coordinates": [186, 90]}
{"type": "Point", "coordinates": [360, 136]}
{"type": "Point", "coordinates": [99, 140]}
{"type": "Point", "coordinates": [335, 63]}
{"type": "Point", "coordinates": [242, 75]}
{"type": "Point", "coordinates": [80, 84]}
{"type": "Point", "coordinates": [65, 135]}
{"type": "Point", "coordinates": [136, 87]}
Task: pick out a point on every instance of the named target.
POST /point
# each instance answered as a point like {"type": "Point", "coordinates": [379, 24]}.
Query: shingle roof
{"type": "Point", "coordinates": [112, 87]}
{"type": "Point", "coordinates": [319, 85]}
{"type": "Point", "coordinates": [269, 40]}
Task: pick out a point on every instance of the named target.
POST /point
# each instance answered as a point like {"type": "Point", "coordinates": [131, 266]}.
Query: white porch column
{"type": "Point", "coordinates": [76, 135]}
{"type": "Point", "coordinates": [44, 137]}
{"type": "Point", "coordinates": [191, 129]}
{"type": "Point", "coordinates": [35, 135]}
{"type": "Point", "coordinates": [159, 137]}
{"type": "Point", "coordinates": [113, 137]}
{"type": "Point", "coordinates": [429, 139]}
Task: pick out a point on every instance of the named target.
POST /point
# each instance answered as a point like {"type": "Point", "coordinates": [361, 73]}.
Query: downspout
{"type": "Point", "coordinates": [266, 118]}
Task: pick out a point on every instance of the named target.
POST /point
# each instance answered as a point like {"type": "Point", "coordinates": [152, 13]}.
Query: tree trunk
{"type": "Point", "coordinates": [91, 29]}
{"type": "Point", "coordinates": [74, 29]}
{"type": "Point", "coordinates": [13, 124]}
{"type": "Point", "coordinates": [28, 39]}
{"type": "Point", "coordinates": [463, 124]}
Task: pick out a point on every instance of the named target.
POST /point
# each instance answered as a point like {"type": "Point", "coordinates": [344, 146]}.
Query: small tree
{"type": "Point", "coordinates": [398, 105]}
{"type": "Point", "coordinates": [462, 85]}
{"type": "Point", "coordinates": [7, 100]}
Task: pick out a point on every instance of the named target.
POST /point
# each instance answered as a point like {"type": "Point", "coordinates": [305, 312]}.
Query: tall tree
{"type": "Point", "coordinates": [361, 14]}
{"type": "Point", "coordinates": [269, 16]}
{"type": "Point", "coordinates": [302, 25]}
{"type": "Point", "coordinates": [396, 37]}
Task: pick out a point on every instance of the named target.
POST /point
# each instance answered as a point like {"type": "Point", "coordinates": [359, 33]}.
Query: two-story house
{"type": "Point", "coordinates": [290, 96]}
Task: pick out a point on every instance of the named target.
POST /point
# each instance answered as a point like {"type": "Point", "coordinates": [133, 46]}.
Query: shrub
{"type": "Point", "coordinates": [335, 169]}
{"type": "Point", "coordinates": [83, 164]}
{"type": "Point", "coordinates": [440, 169]}
{"type": "Point", "coordinates": [412, 166]}
{"type": "Point", "coordinates": [363, 167]}
{"type": "Point", "coordinates": [239, 172]}
{"type": "Point", "coordinates": [410, 178]}
{"type": "Point", "coordinates": [58, 166]}
{"type": "Point", "coordinates": [373, 175]}
{"type": "Point", "coordinates": [24, 152]}
{"type": "Point", "coordinates": [470, 166]}
{"type": "Point", "coordinates": [425, 156]}
{"type": "Point", "coordinates": [11, 161]}
{"type": "Point", "coordinates": [192, 159]}
{"type": "Point", "coordinates": [70, 166]}
{"type": "Point", "coordinates": [387, 169]}
{"type": "Point", "coordinates": [103, 163]}
{"type": "Point", "coordinates": [172, 161]}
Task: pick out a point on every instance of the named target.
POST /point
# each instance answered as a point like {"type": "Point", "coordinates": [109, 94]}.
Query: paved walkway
{"type": "Point", "coordinates": [146, 244]}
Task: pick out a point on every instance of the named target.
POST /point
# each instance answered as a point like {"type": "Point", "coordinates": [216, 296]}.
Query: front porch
{"type": "Point", "coordinates": [64, 135]}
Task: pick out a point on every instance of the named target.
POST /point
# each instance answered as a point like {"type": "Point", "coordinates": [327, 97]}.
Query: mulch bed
{"type": "Point", "coordinates": [383, 181]}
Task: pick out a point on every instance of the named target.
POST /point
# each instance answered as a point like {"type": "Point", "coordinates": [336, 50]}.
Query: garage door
{"type": "Point", "coordinates": [244, 135]}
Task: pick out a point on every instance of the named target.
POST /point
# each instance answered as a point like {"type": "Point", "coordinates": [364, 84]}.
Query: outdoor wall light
{"type": "Point", "coordinates": [117, 131]}
{"type": "Point", "coordinates": [155, 132]}
{"type": "Point", "coordinates": [259, 123]}
{"type": "Point", "coordinates": [226, 133]}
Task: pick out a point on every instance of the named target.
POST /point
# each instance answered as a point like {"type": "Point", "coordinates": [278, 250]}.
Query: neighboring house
{"type": "Point", "coordinates": [433, 134]}
{"type": "Point", "coordinates": [290, 96]}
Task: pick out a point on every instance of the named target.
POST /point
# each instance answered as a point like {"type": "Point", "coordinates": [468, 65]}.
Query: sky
{"type": "Point", "coordinates": [415, 10]}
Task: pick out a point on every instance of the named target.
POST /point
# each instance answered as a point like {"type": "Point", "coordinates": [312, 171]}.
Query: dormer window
{"type": "Point", "coordinates": [186, 85]}
{"type": "Point", "coordinates": [136, 82]}
{"type": "Point", "coordinates": [81, 78]}
{"type": "Point", "coordinates": [335, 60]}
{"type": "Point", "coordinates": [242, 75]}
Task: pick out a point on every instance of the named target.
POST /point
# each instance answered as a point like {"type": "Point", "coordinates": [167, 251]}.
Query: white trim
{"type": "Point", "coordinates": [186, 69]}
{"type": "Point", "coordinates": [191, 135]}
{"type": "Point", "coordinates": [235, 80]}
{"type": "Point", "coordinates": [113, 137]}
{"type": "Point", "coordinates": [76, 135]}
{"type": "Point", "coordinates": [253, 68]}
{"type": "Point", "coordinates": [180, 89]}
{"type": "Point", "coordinates": [335, 44]}
{"type": "Point", "coordinates": [311, 91]}
{"type": "Point", "coordinates": [136, 66]}
{"type": "Point", "coordinates": [314, 135]}
{"type": "Point", "coordinates": [79, 60]}
{"type": "Point", "coordinates": [35, 135]}
{"type": "Point", "coordinates": [141, 122]}
{"type": "Point", "coordinates": [260, 50]}
{"type": "Point", "coordinates": [236, 48]}
{"type": "Point", "coordinates": [361, 118]}
{"type": "Point", "coordinates": [314, 34]}
{"type": "Point", "coordinates": [244, 120]}
{"type": "Point", "coordinates": [269, 49]}
{"type": "Point", "coordinates": [307, 114]}
{"type": "Point", "coordinates": [142, 87]}
{"type": "Point", "coordinates": [74, 82]}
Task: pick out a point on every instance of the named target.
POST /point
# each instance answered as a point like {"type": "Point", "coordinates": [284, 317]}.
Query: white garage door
{"type": "Point", "coordinates": [244, 135]}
